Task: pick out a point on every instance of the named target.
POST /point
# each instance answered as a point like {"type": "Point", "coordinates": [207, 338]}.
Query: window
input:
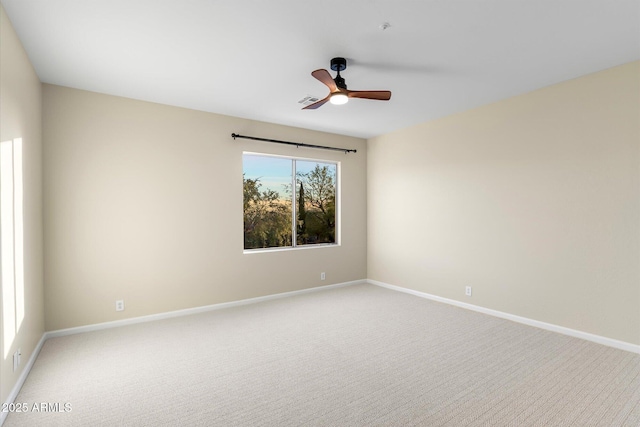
{"type": "Point", "coordinates": [288, 202]}
{"type": "Point", "coordinates": [11, 232]}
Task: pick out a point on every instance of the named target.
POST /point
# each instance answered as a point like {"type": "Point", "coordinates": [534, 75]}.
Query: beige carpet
{"type": "Point", "coordinates": [354, 356]}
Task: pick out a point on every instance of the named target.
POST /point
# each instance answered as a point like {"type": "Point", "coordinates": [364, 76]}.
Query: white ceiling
{"type": "Point", "coordinates": [253, 58]}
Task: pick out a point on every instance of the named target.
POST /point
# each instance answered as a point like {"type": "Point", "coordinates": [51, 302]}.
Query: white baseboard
{"type": "Point", "coordinates": [621, 345]}
{"type": "Point", "coordinates": [23, 376]}
{"type": "Point", "coordinates": [188, 311]}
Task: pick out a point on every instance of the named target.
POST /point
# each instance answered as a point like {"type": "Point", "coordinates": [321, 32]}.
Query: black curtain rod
{"type": "Point", "coordinates": [297, 144]}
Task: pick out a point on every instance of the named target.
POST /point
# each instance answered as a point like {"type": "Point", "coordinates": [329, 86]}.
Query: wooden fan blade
{"type": "Point", "coordinates": [325, 77]}
{"type": "Point", "coordinates": [317, 104]}
{"type": "Point", "coordinates": [380, 95]}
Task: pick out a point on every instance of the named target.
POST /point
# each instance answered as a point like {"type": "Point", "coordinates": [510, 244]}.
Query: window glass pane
{"type": "Point", "coordinates": [267, 201]}
{"type": "Point", "coordinates": [315, 202]}
{"type": "Point", "coordinates": [7, 245]}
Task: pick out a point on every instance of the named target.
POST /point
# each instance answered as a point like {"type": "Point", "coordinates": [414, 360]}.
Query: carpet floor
{"type": "Point", "coordinates": [354, 356]}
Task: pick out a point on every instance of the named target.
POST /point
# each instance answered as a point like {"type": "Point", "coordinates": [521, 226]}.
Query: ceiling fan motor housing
{"type": "Point", "coordinates": [339, 64]}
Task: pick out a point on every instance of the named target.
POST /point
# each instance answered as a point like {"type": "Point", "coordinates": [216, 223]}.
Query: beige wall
{"type": "Point", "coordinates": [20, 117]}
{"type": "Point", "coordinates": [533, 201]}
{"type": "Point", "coordinates": [143, 202]}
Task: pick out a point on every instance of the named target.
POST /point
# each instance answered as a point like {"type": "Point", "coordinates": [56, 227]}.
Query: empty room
{"type": "Point", "coordinates": [364, 213]}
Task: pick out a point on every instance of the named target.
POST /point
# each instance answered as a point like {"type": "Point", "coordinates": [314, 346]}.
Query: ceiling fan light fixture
{"type": "Point", "coordinates": [339, 98]}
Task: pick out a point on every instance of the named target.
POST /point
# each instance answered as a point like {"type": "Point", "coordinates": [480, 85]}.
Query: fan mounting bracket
{"type": "Point", "coordinates": [338, 64]}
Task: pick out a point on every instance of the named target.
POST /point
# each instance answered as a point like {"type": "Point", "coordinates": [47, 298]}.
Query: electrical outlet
{"type": "Point", "coordinates": [322, 276]}
{"type": "Point", "coordinates": [467, 291]}
{"type": "Point", "coordinates": [16, 360]}
{"type": "Point", "coordinates": [120, 305]}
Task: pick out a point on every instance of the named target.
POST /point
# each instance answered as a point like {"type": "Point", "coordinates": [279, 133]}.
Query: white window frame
{"type": "Point", "coordinates": [294, 207]}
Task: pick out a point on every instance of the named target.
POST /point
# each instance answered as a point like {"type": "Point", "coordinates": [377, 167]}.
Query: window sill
{"type": "Point", "coordinates": [290, 248]}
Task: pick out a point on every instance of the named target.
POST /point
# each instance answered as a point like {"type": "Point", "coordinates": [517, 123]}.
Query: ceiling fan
{"type": "Point", "coordinates": [338, 92]}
